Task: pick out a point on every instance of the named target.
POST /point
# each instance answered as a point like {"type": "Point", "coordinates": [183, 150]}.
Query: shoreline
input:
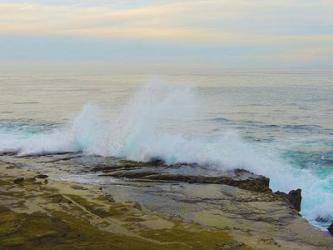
{"type": "Point", "coordinates": [39, 214]}
{"type": "Point", "coordinates": [151, 213]}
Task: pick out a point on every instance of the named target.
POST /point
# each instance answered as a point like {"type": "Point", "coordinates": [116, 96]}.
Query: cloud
{"type": "Point", "coordinates": [209, 21]}
{"type": "Point", "coordinates": [233, 32]}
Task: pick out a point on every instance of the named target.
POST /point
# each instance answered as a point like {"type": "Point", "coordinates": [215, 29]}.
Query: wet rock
{"type": "Point", "coordinates": [230, 244]}
{"type": "Point", "coordinates": [41, 176]}
{"type": "Point", "coordinates": [330, 229]}
{"type": "Point", "coordinates": [19, 180]}
{"type": "Point", "coordinates": [258, 183]}
{"type": "Point", "coordinates": [67, 158]}
{"type": "Point", "coordinates": [322, 219]}
{"type": "Point", "coordinates": [157, 170]}
{"type": "Point", "coordinates": [103, 168]}
{"type": "Point", "coordinates": [9, 153]}
{"type": "Point", "coordinates": [156, 161]}
{"type": "Point", "coordinates": [131, 175]}
{"type": "Point", "coordinates": [269, 241]}
{"type": "Point", "coordinates": [294, 197]}
{"type": "Point", "coordinates": [78, 187]}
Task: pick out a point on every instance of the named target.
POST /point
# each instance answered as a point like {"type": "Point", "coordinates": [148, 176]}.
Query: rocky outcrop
{"type": "Point", "coordinates": [330, 229]}
{"type": "Point", "coordinates": [294, 197]}
{"type": "Point", "coordinates": [258, 184]}
{"type": "Point", "coordinates": [157, 170]}
{"type": "Point", "coordinates": [265, 219]}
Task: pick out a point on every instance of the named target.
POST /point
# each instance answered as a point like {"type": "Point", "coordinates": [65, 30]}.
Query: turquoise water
{"type": "Point", "coordinates": [276, 124]}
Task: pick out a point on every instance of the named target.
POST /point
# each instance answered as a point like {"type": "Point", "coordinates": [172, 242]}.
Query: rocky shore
{"type": "Point", "coordinates": [71, 201]}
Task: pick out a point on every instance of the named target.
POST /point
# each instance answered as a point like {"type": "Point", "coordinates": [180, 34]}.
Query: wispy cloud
{"type": "Point", "coordinates": [286, 23]}
{"type": "Point", "coordinates": [199, 21]}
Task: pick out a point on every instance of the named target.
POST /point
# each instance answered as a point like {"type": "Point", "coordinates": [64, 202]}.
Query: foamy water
{"type": "Point", "coordinates": [284, 133]}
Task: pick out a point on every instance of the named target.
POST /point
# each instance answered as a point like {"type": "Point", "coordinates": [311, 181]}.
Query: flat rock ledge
{"type": "Point", "coordinates": [159, 171]}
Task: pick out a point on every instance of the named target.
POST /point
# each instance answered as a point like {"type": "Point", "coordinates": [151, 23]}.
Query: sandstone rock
{"type": "Point", "coordinates": [258, 183]}
{"type": "Point", "coordinates": [78, 187]}
{"type": "Point", "coordinates": [230, 244]}
{"type": "Point", "coordinates": [294, 197]}
{"type": "Point", "coordinates": [19, 180]}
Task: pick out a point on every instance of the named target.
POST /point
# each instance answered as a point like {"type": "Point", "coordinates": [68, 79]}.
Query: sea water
{"type": "Point", "coordinates": [277, 124]}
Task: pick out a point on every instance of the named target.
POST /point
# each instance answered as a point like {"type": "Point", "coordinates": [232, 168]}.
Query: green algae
{"type": "Point", "coordinates": [59, 231]}
{"type": "Point", "coordinates": [191, 237]}
{"type": "Point", "coordinates": [63, 231]}
{"type": "Point", "coordinates": [56, 216]}
{"type": "Point", "coordinates": [92, 207]}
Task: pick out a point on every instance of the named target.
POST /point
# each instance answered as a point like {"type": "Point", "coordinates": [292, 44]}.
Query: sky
{"type": "Point", "coordinates": [228, 33]}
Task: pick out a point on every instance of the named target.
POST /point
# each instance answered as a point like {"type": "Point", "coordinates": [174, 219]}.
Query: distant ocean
{"type": "Point", "coordinates": [276, 124]}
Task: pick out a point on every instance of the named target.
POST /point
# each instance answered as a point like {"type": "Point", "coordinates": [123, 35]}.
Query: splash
{"type": "Point", "coordinates": [158, 122]}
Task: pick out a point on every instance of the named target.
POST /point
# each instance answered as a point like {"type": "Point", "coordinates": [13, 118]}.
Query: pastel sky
{"type": "Point", "coordinates": [230, 33]}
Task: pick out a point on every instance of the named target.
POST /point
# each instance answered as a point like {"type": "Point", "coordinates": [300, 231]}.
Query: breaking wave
{"type": "Point", "coordinates": [158, 122]}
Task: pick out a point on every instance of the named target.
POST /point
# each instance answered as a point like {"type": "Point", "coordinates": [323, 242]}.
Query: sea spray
{"type": "Point", "coordinates": [141, 123]}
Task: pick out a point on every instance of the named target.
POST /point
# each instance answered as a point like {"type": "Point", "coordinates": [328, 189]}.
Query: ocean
{"type": "Point", "coordinates": [278, 124]}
